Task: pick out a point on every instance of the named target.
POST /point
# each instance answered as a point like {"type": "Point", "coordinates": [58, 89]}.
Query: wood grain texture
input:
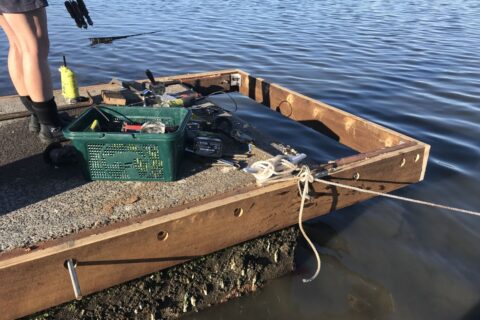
{"type": "Point", "coordinates": [350, 130]}
{"type": "Point", "coordinates": [115, 98]}
{"type": "Point", "coordinates": [25, 114]}
{"type": "Point", "coordinates": [37, 280]}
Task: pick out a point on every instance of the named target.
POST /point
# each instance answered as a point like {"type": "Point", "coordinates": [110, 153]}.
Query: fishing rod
{"type": "Point", "coordinates": [79, 12]}
{"type": "Point", "coordinates": [108, 40]}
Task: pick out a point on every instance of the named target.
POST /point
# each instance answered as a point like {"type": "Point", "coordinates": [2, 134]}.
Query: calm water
{"type": "Point", "coordinates": [413, 66]}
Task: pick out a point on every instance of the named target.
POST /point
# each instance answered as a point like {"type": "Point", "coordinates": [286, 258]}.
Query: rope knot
{"type": "Point", "coordinates": [305, 178]}
{"type": "Point", "coordinates": [281, 169]}
{"type": "Point", "coordinates": [274, 169]}
{"type": "Point", "coordinates": [305, 175]}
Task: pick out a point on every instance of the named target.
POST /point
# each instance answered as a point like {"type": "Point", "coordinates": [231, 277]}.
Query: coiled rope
{"type": "Point", "coordinates": [274, 169]}
{"type": "Point", "coordinates": [280, 168]}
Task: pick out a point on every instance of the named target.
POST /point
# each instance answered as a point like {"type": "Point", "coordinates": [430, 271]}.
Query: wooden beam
{"type": "Point", "coordinates": [38, 280]}
{"type": "Point", "coordinates": [350, 130]}
{"type": "Point", "coordinates": [424, 151]}
{"type": "Point", "coordinates": [208, 82]}
{"type": "Point", "coordinates": [25, 114]}
{"type": "Point", "coordinates": [199, 76]}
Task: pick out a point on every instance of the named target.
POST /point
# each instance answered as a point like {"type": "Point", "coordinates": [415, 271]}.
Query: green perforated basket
{"type": "Point", "coordinates": [121, 156]}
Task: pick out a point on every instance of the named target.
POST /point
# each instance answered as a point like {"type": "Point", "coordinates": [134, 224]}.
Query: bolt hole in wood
{"type": "Point", "coordinates": [65, 264]}
{"type": "Point", "coordinates": [162, 235]}
{"type": "Point", "coordinates": [356, 176]}
{"type": "Point", "coordinates": [403, 162]}
{"type": "Point", "coordinates": [238, 212]}
{"type": "Point", "coordinates": [417, 157]}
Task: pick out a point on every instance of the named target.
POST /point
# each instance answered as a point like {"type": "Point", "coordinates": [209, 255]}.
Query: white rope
{"type": "Point", "coordinates": [391, 196]}
{"type": "Point", "coordinates": [306, 177]}
{"type": "Point", "coordinates": [280, 169]}
{"type": "Point", "coordinates": [273, 169]}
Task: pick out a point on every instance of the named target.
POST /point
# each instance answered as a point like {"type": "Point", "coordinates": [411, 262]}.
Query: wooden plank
{"type": "Point", "coordinates": [183, 77]}
{"type": "Point", "coordinates": [24, 114]}
{"type": "Point", "coordinates": [206, 83]}
{"type": "Point", "coordinates": [422, 156]}
{"type": "Point", "coordinates": [38, 280]}
{"type": "Point", "coordinates": [202, 75]}
{"type": "Point", "coordinates": [114, 98]}
{"type": "Point", "coordinates": [350, 130]}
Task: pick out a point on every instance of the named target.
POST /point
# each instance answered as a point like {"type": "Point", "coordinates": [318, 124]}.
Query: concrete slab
{"type": "Point", "coordinates": [39, 202]}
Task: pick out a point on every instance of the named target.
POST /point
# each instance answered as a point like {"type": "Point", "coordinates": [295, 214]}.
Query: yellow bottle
{"type": "Point", "coordinates": [69, 83]}
{"type": "Point", "coordinates": [176, 103]}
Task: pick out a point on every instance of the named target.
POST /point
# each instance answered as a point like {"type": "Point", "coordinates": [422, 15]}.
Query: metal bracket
{"type": "Point", "coordinates": [325, 173]}
{"type": "Point", "coordinates": [71, 266]}
{"type": "Point", "coordinates": [235, 80]}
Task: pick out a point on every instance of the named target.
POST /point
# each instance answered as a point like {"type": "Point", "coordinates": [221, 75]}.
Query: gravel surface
{"type": "Point", "coordinates": [40, 202]}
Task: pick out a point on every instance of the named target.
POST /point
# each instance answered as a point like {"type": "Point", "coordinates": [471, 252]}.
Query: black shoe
{"type": "Point", "coordinates": [51, 124]}
{"type": "Point", "coordinates": [50, 134]}
{"type": "Point", "coordinates": [33, 124]}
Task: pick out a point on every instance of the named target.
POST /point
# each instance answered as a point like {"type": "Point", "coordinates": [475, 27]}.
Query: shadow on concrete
{"type": "Point", "coordinates": [473, 314]}
{"type": "Point", "coordinates": [30, 180]}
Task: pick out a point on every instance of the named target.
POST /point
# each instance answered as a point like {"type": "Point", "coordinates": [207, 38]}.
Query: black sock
{"type": "Point", "coordinates": [47, 113]}
{"type": "Point", "coordinates": [27, 102]}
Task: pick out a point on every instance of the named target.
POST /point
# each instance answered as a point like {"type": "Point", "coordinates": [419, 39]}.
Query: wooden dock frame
{"type": "Point", "coordinates": [31, 281]}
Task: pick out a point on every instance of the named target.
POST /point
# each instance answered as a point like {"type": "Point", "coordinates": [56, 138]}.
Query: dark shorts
{"type": "Point", "coordinates": [19, 6]}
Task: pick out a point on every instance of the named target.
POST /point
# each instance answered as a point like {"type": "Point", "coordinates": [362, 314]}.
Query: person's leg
{"type": "Point", "coordinates": [15, 69]}
{"type": "Point", "coordinates": [31, 32]}
{"type": "Point", "coordinates": [15, 60]}
{"type": "Point", "coordinates": [30, 29]}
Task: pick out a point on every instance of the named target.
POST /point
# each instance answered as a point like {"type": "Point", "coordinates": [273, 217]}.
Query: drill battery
{"type": "Point", "coordinates": [207, 144]}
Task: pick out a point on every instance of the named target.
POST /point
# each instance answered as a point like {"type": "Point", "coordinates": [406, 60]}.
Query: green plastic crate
{"type": "Point", "coordinates": [118, 156]}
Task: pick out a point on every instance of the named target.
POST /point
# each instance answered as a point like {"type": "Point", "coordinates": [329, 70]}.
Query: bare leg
{"type": "Point", "coordinates": [31, 32]}
{"type": "Point", "coordinates": [15, 60]}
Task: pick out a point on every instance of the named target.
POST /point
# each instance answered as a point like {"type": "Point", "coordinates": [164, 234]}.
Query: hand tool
{"type": "Point", "coordinates": [84, 10]}
{"type": "Point", "coordinates": [126, 127]}
{"type": "Point", "coordinates": [73, 14]}
{"type": "Point", "coordinates": [94, 127]}
{"type": "Point", "coordinates": [237, 156]}
{"type": "Point", "coordinates": [227, 163]}
{"type": "Point", "coordinates": [241, 136]}
{"type": "Point", "coordinates": [158, 88]}
{"type": "Point", "coordinates": [79, 12]}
